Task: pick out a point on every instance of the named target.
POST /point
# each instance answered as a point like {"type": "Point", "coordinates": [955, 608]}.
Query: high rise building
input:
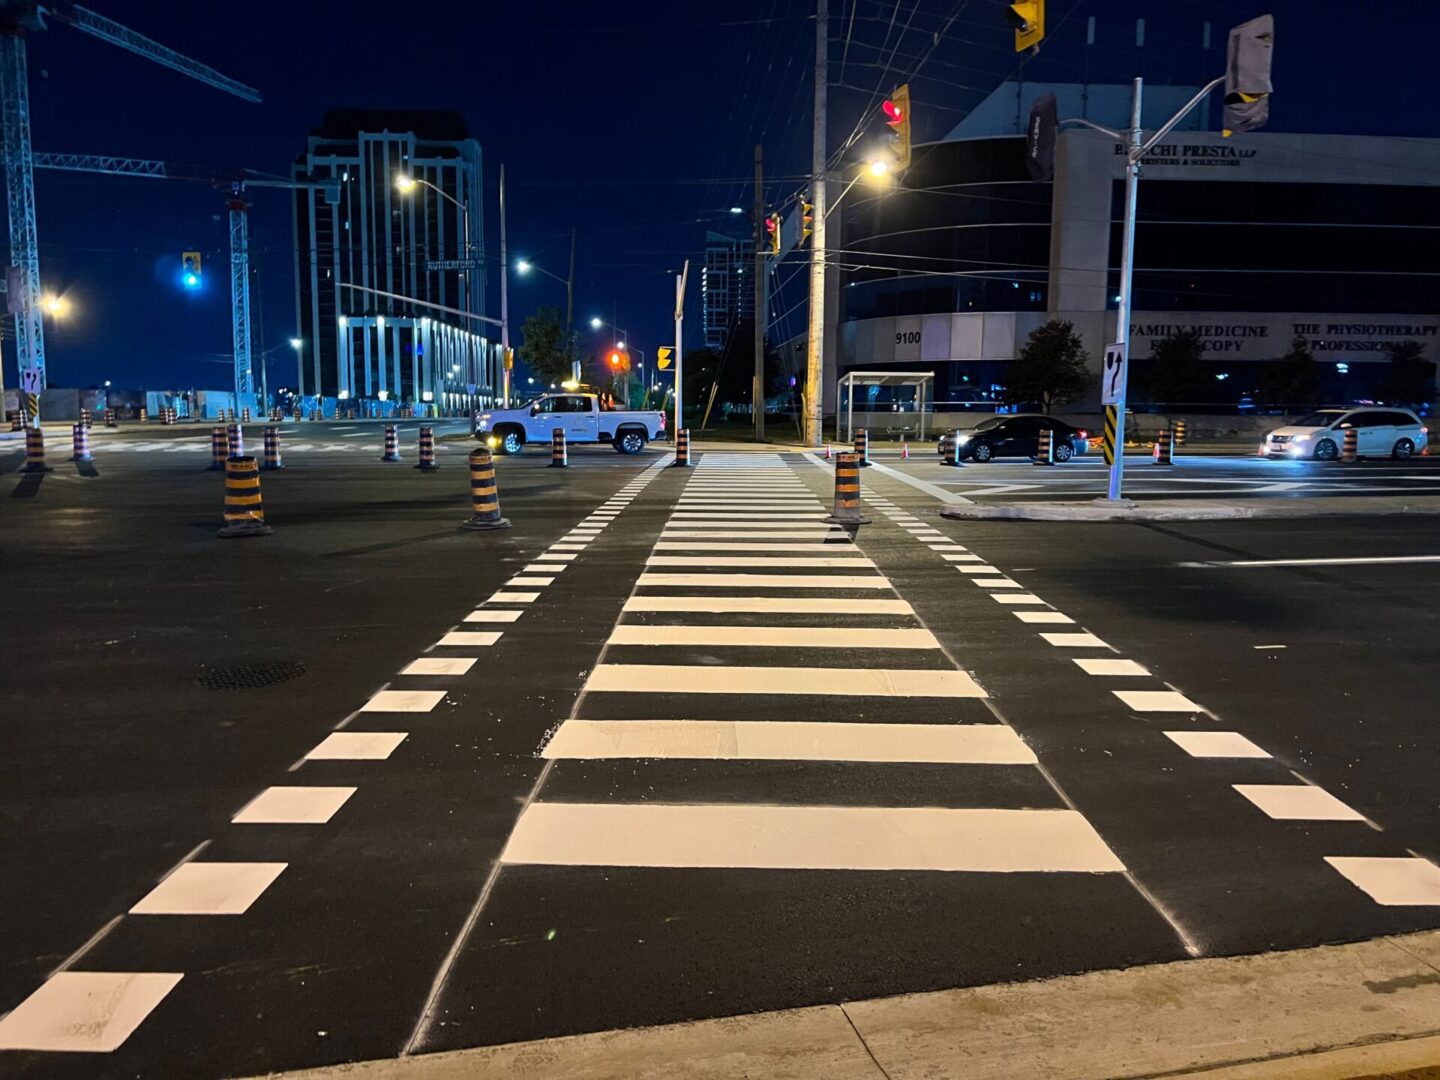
{"type": "Point", "coordinates": [727, 290]}
{"type": "Point", "coordinates": [396, 235]}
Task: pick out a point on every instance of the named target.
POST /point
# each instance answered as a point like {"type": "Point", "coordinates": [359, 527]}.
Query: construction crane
{"type": "Point", "coordinates": [235, 182]}
{"type": "Point", "coordinates": [17, 19]}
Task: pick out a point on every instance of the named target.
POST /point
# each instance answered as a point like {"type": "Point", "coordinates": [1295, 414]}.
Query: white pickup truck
{"type": "Point", "coordinates": [584, 421]}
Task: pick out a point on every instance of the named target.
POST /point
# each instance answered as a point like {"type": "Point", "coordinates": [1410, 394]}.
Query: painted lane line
{"type": "Point", "coordinates": [210, 888]}
{"type": "Point", "coordinates": [711, 523]}
{"type": "Point", "coordinates": [529, 581]}
{"type": "Point", "coordinates": [506, 596]}
{"type": "Point", "coordinates": [778, 561]}
{"type": "Point", "coordinates": [1297, 802]}
{"type": "Point", "coordinates": [1108, 667]}
{"type": "Point", "coordinates": [357, 746]}
{"type": "Point", "coordinates": [404, 701]}
{"type": "Point", "coordinates": [293, 806]}
{"type": "Point", "coordinates": [712, 517]}
{"type": "Point", "coordinates": [1016, 598]}
{"type": "Point", "coordinates": [1215, 744]}
{"type": "Point", "coordinates": [816, 637]}
{"type": "Point", "coordinates": [493, 615]}
{"type": "Point", "coordinates": [1156, 701]}
{"type": "Point", "coordinates": [541, 568]}
{"type": "Point", "coordinates": [1392, 882]}
{"type": "Point", "coordinates": [977, 568]}
{"type": "Point", "coordinates": [804, 532]}
{"type": "Point", "coordinates": [849, 682]}
{"type": "Point", "coordinates": [783, 740]}
{"type": "Point", "coordinates": [457, 639]}
{"type": "Point", "coordinates": [808, 837]}
{"type": "Point", "coordinates": [1369, 560]}
{"type": "Point", "coordinates": [549, 556]}
{"type": "Point", "coordinates": [766, 581]}
{"type": "Point", "coordinates": [438, 665]}
{"type": "Point", "coordinates": [962, 558]}
{"type": "Point", "coordinates": [762, 605]}
{"type": "Point", "coordinates": [995, 583]}
{"type": "Point", "coordinates": [1042, 617]}
{"type": "Point", "coordinates": [566, 545]}
{"type": "Point", "coordinates": [1075, 641]}
{"type": "Point", "coordinates": [812, 546]}
{"type": "Point", "coordinates": [85, 1011]}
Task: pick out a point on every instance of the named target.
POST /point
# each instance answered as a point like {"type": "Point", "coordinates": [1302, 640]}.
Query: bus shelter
{"type": "Point", "coordinates": [888, 404]}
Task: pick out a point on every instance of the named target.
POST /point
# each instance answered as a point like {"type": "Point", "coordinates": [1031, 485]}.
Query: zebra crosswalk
{"type": "Point", "coordinates": [798, 651]}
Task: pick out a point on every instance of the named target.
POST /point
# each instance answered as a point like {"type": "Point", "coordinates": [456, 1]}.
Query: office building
{"type": "Point", "coordinates": [726, 289]}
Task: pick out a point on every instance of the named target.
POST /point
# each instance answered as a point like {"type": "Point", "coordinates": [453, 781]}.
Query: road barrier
{"type": "Point", "coordinates": [682, 448]}
{"type": "Point", "coordinates": [219, 448]}
{"type": "Point", "coordinates": [1045, 448]}
{"type": "Point", "coordinates": [144, 415]}
{"type": "Point", "coordinates": [34, 450]}
{"type": "Point", "coordinates": [559, 453]}
{"type": "Point", "coordinates": [484, 494]}
{"type": "Point", "coordinates": [862, 446]}
{"type": "Point", "coordinates": [236, 434]}
{"type": "Point", "coordinates": [85, 419]}
{"type": "Point", "coordinates": [319, 413]}
{"type": "Point", "coordinates": [427, 450]}
{"type": "Point", "coordinates": [1351, 450]}
{"type": "Point", "coordinates": [272, 449]}
{"type": "Point", "coordinates": [847, 492]}
{"type": "Point", "coordinates": [1180, 431]}
{"type": "Point", "coordinates": [1164, 447]}
{"type": "Point", "coordinates": [244, 508]}
{"type": "Point", "coordinates": [951, 456]}
{"type": "Point", "coordinates": [245, 415]}
{"type": "Point", "coordinates": [392, 445]}
{"type": "Point", "coordinates": [296, 413]}
{"type": "Point", "coordinates": [167, 417]}
{"type": "Point", "coordinates": [80, 443]}
{"type": "Point", "coordinates": [110, 418]}
{"type": "Point", "coordinates": [17, 420]}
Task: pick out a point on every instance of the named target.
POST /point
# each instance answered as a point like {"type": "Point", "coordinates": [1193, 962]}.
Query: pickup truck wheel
{"type": "Point", "coordinates": [511, 442]}
{"type": "Point", "coordinates": [629, 442]}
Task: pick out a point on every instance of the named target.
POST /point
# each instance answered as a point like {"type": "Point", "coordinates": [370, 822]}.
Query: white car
{"type": "Point", "coordinates": [1396, 433]}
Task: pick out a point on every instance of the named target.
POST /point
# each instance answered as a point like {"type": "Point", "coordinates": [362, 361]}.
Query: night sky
{"type": "Point", "coordinates": [634, 123]}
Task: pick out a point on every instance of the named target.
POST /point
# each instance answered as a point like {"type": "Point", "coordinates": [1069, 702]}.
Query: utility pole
{"type": "Point", "coordinates": [680, 345]}
{"type": "Point", "coordinates": [570, 311]}
{"type": "Point", "coordinates": [504, 298]}
{"type": "Point", "coordinates": [815, 339]}
{"type": "Point", "coordinates": [1127, 274]}
{"type": "Point", "coordinates": [757, 386]}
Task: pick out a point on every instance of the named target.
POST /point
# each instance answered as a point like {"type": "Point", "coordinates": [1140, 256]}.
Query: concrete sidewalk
{"type": "Point", "coordinates": [1348, 1011]}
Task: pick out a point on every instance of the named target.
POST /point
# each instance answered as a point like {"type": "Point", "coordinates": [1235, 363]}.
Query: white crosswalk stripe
{"type": "Point", "coordinates": [751, 605]}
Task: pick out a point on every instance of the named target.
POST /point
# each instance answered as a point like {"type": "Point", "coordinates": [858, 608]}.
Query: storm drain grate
{"type": "Point", "coordinates": [250, 676]}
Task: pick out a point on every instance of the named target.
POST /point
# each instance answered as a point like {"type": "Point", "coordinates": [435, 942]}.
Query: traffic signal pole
{"type": "Point", "coordinates": [680, 346]}
{"type": "Point", "coordinates": [757, 385]}
{"type": "Point", "coordinates": [815, 339]}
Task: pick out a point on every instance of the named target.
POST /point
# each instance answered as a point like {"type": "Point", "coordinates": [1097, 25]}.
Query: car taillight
{"type": "Point", "coordinates": [1083, 433]}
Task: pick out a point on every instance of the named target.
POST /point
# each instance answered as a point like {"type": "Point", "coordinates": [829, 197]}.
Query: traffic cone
{"type": "Point", "coordinates": [484, 494]}
{"type": "Point", "coordinates": [34, 450]}
{"type": "Point", "coordinates": [847, 492]}
{"type": "Point", "coordinates": [559, 453]}
{"type": "Point", "coordinates": [862, 446]}
{"type": "Point", "coordinates": [236, 434]}
{"type": "Point", "coordinates": [1045, 448]}
{"type": "Point", "coordinates": [427, 450]}
{"type": "Point", "coordinates": [272, 449]}
{"type": "Point", "coordinates": [392, 446]}
{"type": "Point", "coordinates": [951, 456]}
{"type": "Point", "coordinates": [682, 448]}
{"type": "Point", "coordinates": [80, 440]}
{"type": "Point", "coordinates": [827, 452]}
{"type": "Point", "coordinates": [244, 509]}
{"type": "Point", "coordinates": [219, 448]}
{"type": "Point", "coordinates": [904, 449]}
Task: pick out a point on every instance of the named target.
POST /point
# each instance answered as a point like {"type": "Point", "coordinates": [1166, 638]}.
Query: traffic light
{"type": "Point", "coordinates": [1247, 75]}
{"type": "Point", "coordinates": [897, 119]}
{"type": "Point", "coordinates": [663, 355]}
{"type": "Point", "coordinates": [772, 233]}
{"type": "Point", "coordinates": [807, 220]}
{"type": "Point", "coordinates": [190, 272]}
{"type": "Point", "coordinates": [1028, 18]}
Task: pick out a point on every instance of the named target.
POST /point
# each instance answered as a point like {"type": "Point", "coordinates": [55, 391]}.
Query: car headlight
{"type": "Point", "coordinates": [482, 424]}
{"type": "Point", "coordinates": [964, 438]}
{"type": "Point", "coordinates": [1300, 438]}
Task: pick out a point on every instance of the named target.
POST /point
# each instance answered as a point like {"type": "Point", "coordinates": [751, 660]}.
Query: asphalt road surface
{"type": "Point", "coordinates": [670, 747]}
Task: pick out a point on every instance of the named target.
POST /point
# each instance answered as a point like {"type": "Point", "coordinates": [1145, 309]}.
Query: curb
{"type": "Point", "coordinates": [1100, 510]}
{"type": "Point", "coordinates": [1323, 1013]}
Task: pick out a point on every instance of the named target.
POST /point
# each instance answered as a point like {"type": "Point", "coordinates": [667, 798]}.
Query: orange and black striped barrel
{"type": "Point", "coordinates": [1163, 447]}
{"type": "Point", "coordinates": [80, 443]}
{"type": "Point", "coordinates": [1350, 450]}
{"type": "Point", "coordinates": [236, 434]}
{"type": "Point", "coordinates": [1045, 448]}
{"type": "Point", "coordinates": [682, 447]}
{"type": "Point", "coordinates": [847, 491]}
{"type": "Point", "coordinates": [144, 414]}
{"type": "Point", "coordinates": [34, 450]}
{"type": "Point", "coordinates": [272, 449]}
{"type": "Point", "coordinates": [109, 417]}
{"type": "Point", "coordinates": [484, 494]}
{"type": "Point", "coordinates": [17, 420]}
{"type": "Point", "coordinates": [559, 452]}
{"type": "Point", "coordinates": [219, 448]}
{"type": "Point", "coordinates": [392, 444]}
{"type": "Point", "coordinates": [244, 509]}
{"type": "Point", "coordinates": [427, 450]}
{"type": "Point", "coordinates": [86, 419]}
{"type": "Point", "coordinates": [245, 415]}
{"type": "Point", "coordinates": [951, 456]}
{"type": "Point", "coordinates": [1180, 431]}
{"type": "Point", "coordinates": [862, 446]}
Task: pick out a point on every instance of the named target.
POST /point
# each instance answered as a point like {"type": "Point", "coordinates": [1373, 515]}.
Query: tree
{"type": "Point", "coordinates": [1176, 372]}
{"type": "Point", "coordinates": [1411, 378]}
{"type": "Point", "coordinates": [1053, 367]}
{"type": "Point", "coordinates": [1294, 379]}
{"type": "Point", "coordinates": [546, 347]}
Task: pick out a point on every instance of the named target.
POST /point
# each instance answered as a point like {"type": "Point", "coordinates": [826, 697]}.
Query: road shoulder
{"type": "Point", "coordinates": [1335, 1011]}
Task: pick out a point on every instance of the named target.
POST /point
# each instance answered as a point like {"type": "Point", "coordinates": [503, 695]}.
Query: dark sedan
{"type": "Point", "coordinates": [1019, 436]}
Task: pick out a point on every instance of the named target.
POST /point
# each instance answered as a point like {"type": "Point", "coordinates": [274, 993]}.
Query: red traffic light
{"type": "Point", "coordinates": [894, 114]}
{"type": "Point", "coordinates": [614, 359]}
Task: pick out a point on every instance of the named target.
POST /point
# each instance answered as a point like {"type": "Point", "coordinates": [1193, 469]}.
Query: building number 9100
{"type": "Point", "coordinates": [907, 337]}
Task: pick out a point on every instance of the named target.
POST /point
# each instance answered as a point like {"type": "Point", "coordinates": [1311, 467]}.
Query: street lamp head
{"type": "Point", "coordinates": [405, 184]}
{"type": "Point", "coordinates": [54, 305]}
{"type": "Point", "coordinates": [736, 210]}
{"type": "Point", "coordinates": [879, 167]}
{"type": "Point", "coordinates": [295, 343]}
{"type": "Point", "coordinates": [620, 345]}
{"type": "Point", "coordinates": [522, 266]}
{"type": "Point", "coordinates": [596, 323]}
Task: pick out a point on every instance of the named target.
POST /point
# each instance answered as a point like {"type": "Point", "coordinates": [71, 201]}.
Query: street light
{"type": "Point", "coordinates": [296, 344]}
{"type": "Point", "coordinates": [596, 323]}
{"type": "Point", "coordinates": [55, 306]}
